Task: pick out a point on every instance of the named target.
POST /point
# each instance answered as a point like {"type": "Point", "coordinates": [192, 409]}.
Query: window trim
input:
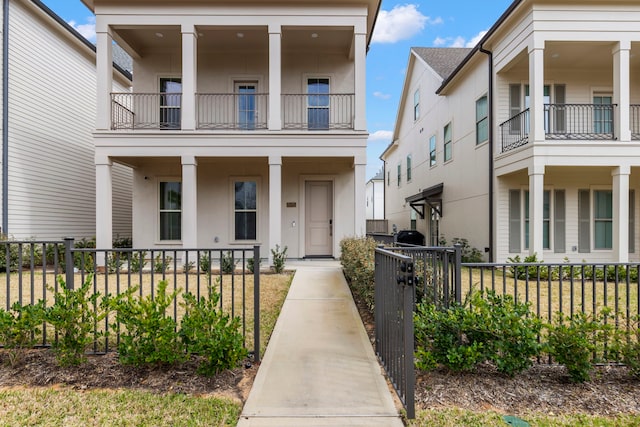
{"type": "Point", "coordinates": [447, 143]}
{"type": "Point", "coordinates": [232, 196]}
{"type": "Point", "coordinates": [593, 217]}
{"type": "Point", "coordinates": [165, 125]}
{"type": "Point", "coordinates": [483, 120]}
{"type": "Point", "coordinates": [308, 96]}
{"type": "Point", "coordinates": [409, 166]}
{"type": "Point", "coordinates": [159, 181]}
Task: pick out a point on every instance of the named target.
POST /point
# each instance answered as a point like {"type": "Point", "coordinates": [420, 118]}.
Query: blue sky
{"type": "Point", "coordinates": [401, 25]}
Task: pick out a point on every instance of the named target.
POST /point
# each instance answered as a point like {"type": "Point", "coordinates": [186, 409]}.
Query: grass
{"type": "Point", "coordinates": [461, 417]}
{"type": "Point", "coordinates": [67, 407]}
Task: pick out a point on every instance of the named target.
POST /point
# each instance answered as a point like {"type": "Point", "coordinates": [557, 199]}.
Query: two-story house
{"type": "Point", "coordinates": [48, 106]}
{"type": "Point", "coordinates": [246, 122]}
{"type": "Point", "coordinates": [527, 143]}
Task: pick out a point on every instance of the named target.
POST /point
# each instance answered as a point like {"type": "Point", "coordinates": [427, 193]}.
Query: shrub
{"type": "Point", "coordinates": [150, 335]}
{"type": "Point", "coordinates": [215, 336]}
{"type": "Point", "coordinates": [279, 258]}
{"type": "Point", "coordinates": [205, 263]}
{"type": "Point", "coordinates": [188, 266]}
{"type": "Point", "coordinates": [161, 263]}
{"type": "Point", "coordinates": [74, 315]}
{"type": "Point", "coordinates": [138, 261]}
{"type": "Point", "coordinates": [114, 262]}
{"type": "Point", "coordinates": [469, 254]}
{"type": "Point", "coordinates": [18, 328]}
{"type": "Point", "coordinates": [252, 264]}
{"type": "Point", "coordinates": [227, 263]}
{"type": "Point", "coordinates": [357, 259]}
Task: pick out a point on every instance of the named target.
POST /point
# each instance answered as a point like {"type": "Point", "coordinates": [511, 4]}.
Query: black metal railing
{"type": "Point", "coordinates": [318, 112]}
{"type": "Point", "coordinates": [232, 111]}
{"type": "Point", "coordinates": [146, 111]}
{"type": "Point", "coordinates": [515, 131]}
{"type": "Point", "coordinates": [31, 270]}
{"type": "Point", "coordinates": [634, 121]}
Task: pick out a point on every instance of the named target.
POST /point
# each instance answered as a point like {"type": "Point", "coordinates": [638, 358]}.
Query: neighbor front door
{"type": "Point", "coordinates": [319, 218]}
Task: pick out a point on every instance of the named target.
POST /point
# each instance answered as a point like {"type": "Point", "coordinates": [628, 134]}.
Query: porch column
{"type": "Point", "coordinates": [536, 91]}
{"type": "Point", "coordinates": [275, 77]}
{"type": "Point", "coordinates": [104, 205]}
{"type": "Point", "coordinates": [621, 213]}
{"type": "Point", "coordinates": [622, 90]}
{"type": "Point", "coordinates": [189, 202]}
{"type": "Point", "coordinates": [189, 76]}
{"type": "Point", "coordinates": [360, 197]}
{"type": "Point", "coordinates": [104, 78]}
{"type": "Point", "coordinates": [360, 44]}
{"type": "Point", "coordinates": [536, 212]}
{"type": "Point", "coordinates": [275, 204]}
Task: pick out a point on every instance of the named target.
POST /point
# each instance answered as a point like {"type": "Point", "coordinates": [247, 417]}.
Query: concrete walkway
{"type": "Point", "coordinates": [319, 368]}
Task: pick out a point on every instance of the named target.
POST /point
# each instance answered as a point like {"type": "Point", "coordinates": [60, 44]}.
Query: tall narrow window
{"type": "Point", "coordinates": [546, 220]}
{"type": "Point", "coordinates": [388, 178]}
{"type": "Point", "coordinates": [399, 174]}
{"type": "Point", "coordinates": [414, 220]}
{"type": "Point", "coordinates": [170, 211]}
{"type": "Point", "coordinates": [482, 120]}
{"type": "Point", "coordinates": [603, 219]}
{"type": "Point", "coordinates": [246, 210]}
{"type": "Point", "coordinates": [318, 104]}
{"type": "Point", "coordinates": [409, 168]}
{"type": "Point", "coordinates": [246, 105]}
{"type": "Point", "coordinates": [448, 149]}
{"type": "Point", "coordinates": [416, 105]}
{"type": "Point", "coordinates": [170, 103]}
{"type": "Point", "coordinates": [602, 114]}
{"type": "Point", "coordinates": [432, 151]}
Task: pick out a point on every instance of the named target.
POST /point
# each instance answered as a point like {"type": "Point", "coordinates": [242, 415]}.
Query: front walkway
{"type": "Point", "coordinates": [319, 368]}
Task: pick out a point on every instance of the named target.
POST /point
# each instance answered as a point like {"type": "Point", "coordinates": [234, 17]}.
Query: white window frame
{"type": "Point", "coordinates": [593, 191]}
{"type": "Point", "coordinates": [160, 211]}
{"type": "Point", "coordinates": [232, 191]}
{"type": "Point", "coordinates": [483, 119]}
{"type": "Point", "coordinates": [525, 218]}
{"type": "Point", "coordinates": [447, 143]}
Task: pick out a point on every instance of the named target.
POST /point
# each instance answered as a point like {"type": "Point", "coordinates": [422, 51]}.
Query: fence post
{"type": "Point", "coordinates": [409, 374]}
{"type": "Point", "coordinates": [256, 304]}
{"type": "Point", "coordinates": [68, 262]}
{"type": "Point", "coordinates": [458, 272]}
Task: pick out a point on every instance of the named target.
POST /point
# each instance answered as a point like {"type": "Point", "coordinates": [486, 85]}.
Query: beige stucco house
{"type": "Point", "coordinates": [530, 141]}
{"type": "Point", "coordinates": [49, 104]}
{"type": "Point", "coordinates": [245, 125]}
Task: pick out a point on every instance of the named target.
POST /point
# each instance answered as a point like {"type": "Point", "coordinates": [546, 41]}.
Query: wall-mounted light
{"type": "Point", "coordinates": [240, 35]}
{"type": "Point", "coordinates": [314, 35]}
{"type": "Point", "coordinates": [159, 35]}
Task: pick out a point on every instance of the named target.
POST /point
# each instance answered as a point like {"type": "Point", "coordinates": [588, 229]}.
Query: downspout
{"type": "Point", "coordinates": [5, 117]}
{"type": "Point", "coordinates": [490, 96]}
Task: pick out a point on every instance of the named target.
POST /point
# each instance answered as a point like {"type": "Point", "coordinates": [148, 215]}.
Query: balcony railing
{"type": "Point", "coordinates": [146, 110]}
{"type": "Point", "coordinates": [236, 111]}
{"type": "Point", "coordinates": [634, 119]}
{"type": "Point", "coordinates": [318, 111]}
{"type": "Point", "coordinates": [562, 122]}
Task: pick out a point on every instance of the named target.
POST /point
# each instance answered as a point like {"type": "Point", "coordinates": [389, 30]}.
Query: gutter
{"type": "Point", "coordinates": [491, 147]}
{"type": "Point", "coordinates": [5, 117]}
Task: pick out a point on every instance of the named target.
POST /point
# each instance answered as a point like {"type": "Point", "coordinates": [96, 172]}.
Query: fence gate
{"type": "Point", "coordinates": [394, 278]}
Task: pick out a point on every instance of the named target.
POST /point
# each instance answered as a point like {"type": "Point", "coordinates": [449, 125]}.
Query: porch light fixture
{"type": "Point", "coordinates": [314, 35]}
{"type": "Point", "coordinates": [159, 35]}
{"type": "Point", "coordinates": [240, 35]}
{"type": "Point", "coordinates": [555, 55]}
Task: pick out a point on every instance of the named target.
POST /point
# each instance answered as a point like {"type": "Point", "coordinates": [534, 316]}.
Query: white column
{"type": "Point", "coordinates": [536, 212]}
{"type": "Point", "coordinates": [104, 205]}
{"type": "Point", "coordinates": [360, 74]}
{"type": "Point", "coordinates": [536, 92]}
{"type": "Point", "coordinates": [189, 76]}
{"type": "Point", "coordinates": [621, 213]}
{"type": "Point", "coordinates": [189, 202]}
{"type": "Point", "coordinates": [359, 194]}
{"type": "Point", "coordinates": [275, 204]}
{"type": "Point", "coordinates": [621, 90]}
{"type": "Point", "coordinates": [275, 77]}
{"type": "Point", "coordinates": [104, 79]}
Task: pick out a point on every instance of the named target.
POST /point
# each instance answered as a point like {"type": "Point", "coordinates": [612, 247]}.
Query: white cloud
{"type": "Point", "coordinates": [401, 23]}
{"type": "Point", "coordinates": [381, 135]}
{"type": "Point", "coordinates": [459, 41]}
{"type": "Point", "coordinates": [88, 30]}
{"type": "Point", "coordinates": [381, 95]}
{"type": "Point", "coordinates": [439, 41]}
{"type": "Point", "coordinates": [474, 41]}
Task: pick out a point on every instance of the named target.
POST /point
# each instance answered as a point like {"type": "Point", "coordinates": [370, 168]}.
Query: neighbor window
{"type": "Point", "coordinates": [399, 174]}
{"type": "Point", "coordinates": [416, 105]}
{"type": "Point", "coordinates": [603, 219]}
{"type": "Point", "coordinates": [447, 142]}
{"type": "Point", "coordinates": [409, 168]}
{"type": "Point", "coordinates": [245, 210]}
{"type": "Point", "coordinates": [170, 211]}
{"type": "Point", "coordinates": [482, 120]}
{"type": "Point", "coordinates": [432, 151]}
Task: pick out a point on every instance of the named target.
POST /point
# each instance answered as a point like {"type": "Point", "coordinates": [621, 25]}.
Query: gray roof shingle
{"type": "Point", "coordinates": [443, 60]}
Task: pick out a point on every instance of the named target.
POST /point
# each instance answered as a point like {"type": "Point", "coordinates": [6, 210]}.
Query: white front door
{"type": "Point", "coordinates": [319, 218]}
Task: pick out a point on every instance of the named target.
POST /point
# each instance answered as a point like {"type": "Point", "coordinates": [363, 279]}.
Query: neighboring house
{"type": "Point", "coordinates": [246, 123]}
{"type": "Point", "coordinates": [375, 196]}
{"type": "Point", "coordinates": [529, 143]}
{"type": "Point", "coordinates": [49, 190]}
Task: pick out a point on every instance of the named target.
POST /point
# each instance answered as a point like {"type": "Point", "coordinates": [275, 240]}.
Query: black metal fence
{"type": "Point", "coordinates": [32, 270]}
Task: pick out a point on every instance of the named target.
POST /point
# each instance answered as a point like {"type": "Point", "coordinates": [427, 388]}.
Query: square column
{"type": "Point", "coordinates": [621, 90]}
{"type": "Point", "coordinates": [104, 205]}
{"type": "Point", "coordinates": [275, 204]}
{"type": "Point", "coordinates": [621, 213]}
{"type": "Point", "coordinates": [360, 197]}
{"type": "Point", "coordinates": [536, 92]}
{"type": "Point", "coordinates": [536, 210]}
{"type": "Point", "coordinates": [104, 78]}
{"type": "Point", "coordinates": [360, 43]}
{"type": "Point", "coordinates": [189, 202]}
{"type": "Point", "coordinates": [189, 76]}
{"type": "Point", "coordinates": [275, 77]}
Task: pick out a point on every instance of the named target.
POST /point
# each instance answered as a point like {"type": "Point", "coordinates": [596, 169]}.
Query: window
{"type": "Point", "coordinates": [602, 114]}
{"type": "Point", "coordinates": [388, 178]}
{"type": "Point", "coordinates": [409, 168]}
{"type": "Point", "coordinates": [603, 219]}
{"type": "Point", "coordinates": [170, 211]}
{"type": "Point", "coordinates": [399, 173]}
{"type": "Point", "coordinates": [482, 120]}
{"type": "Point", "coordinates": [447, 142]}
{"type": "Point", "coordinates": [552, 213]}
{"type": "Point", "coordinates": [170, 102]}
{"type": "Point", "coordinates": [245, 210]}
{"type": "Point", "coordinates": [246, 105]}
{"type": "Point", "coordinates": [318, 104]}
{"type": "Point", "coordinates": [432, 151]}
{"type": "Point", "coordinates": [546, 220]}
{"type": "Point", "coordinates": [416, 105]}
{"type": "Point", "coordinates": [414, 220]}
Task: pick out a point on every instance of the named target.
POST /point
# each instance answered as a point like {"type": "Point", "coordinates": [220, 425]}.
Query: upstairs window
{"type": "Point", "coordinates": [170, 103]}
{"type": "Point", "coordinates": [399, 174]}
{"type": "Point", "coordinates": [482, 120]}
{"type": "Point", "coordinates": [318, 103]}
{"type": "Point", "coordinates": [432, 151]}
{"type": "Point", "coordinates": [409, 168]}
{"type": "Point", "coordinates": [416, 105]}
{"type": "Point", "coordinates": [448, 149]}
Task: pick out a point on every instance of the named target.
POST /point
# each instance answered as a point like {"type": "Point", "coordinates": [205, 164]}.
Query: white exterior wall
{"type": "Point", "coordinates": [375, 199]}
{"type": "Point", "coordinates": [51, 116]}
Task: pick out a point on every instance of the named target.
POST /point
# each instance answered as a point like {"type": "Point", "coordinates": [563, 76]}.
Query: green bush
{"type": "Point", "coordinates": [227, 263]}
{"type": "Point", "coordinates": [161, 263]}
{"type": "Point", "coordinates": [358, 264]}
{"type": "Point", "coordinates": [205, 263]}
{"type": "Point", "coordinates": [74, 315]}
{"type": "Point", "coordinates": [279, 258]}
{"type": "Point", "coordinates": [468, 253]}
{"type": "Point", "coordinates": [252, 264]}
{"type": "Point", "coordinates": [215, 336]}
{"type": "Point", "coordinates": [626, 345]}
{"type": "Point", "coordinates": [149, 335]}
{"type": "Point", "coordinates": [138, 261]}
{"type": "Point", "coordinates": [18, 328]}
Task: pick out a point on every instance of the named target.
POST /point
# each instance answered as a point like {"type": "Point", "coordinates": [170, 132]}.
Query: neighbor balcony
{"type": "Point", "coordinates": [232, 112]}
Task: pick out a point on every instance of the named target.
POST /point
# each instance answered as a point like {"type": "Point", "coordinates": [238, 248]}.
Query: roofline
{"type": "Point", "coordinates": [373, 27]}
{"type": "Point", "coordinates": [478, 46]}
{"type": "Point", "coordinates": [77, 35]}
